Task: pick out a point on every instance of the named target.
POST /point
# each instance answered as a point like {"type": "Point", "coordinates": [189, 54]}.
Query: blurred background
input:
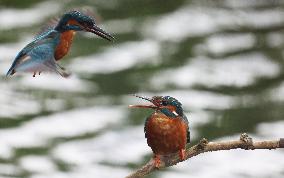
{"type": "Point", "coordinates": [222, 59]}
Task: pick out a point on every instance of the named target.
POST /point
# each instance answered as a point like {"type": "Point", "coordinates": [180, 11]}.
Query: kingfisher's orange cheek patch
{"type": "Point", "coordinates": [73, 22]}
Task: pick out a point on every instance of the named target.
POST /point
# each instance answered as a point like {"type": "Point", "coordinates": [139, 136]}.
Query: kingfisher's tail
{"type": "Point", "coordinates": [54, 67]}
{"type": "Point", "coordinates": [188, 137]}
{"type": "Point", "coordinates": [62, 71]}
{"type": "Point", "coordinates": [11, 71]}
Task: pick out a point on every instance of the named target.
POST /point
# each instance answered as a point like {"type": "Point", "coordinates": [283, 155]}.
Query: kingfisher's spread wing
{"type": "Point", "coordinates": [43, 56]}
{"type": "Point", "coordinates": [49, 26]}
{"type": "Point", "coordinates": [38, 56]}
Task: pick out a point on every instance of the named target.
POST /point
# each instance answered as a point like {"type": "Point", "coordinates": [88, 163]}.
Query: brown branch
{"type": "Point", "coordinates": [245, 142]}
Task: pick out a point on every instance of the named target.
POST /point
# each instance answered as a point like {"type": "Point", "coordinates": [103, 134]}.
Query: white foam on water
{"type": "Point", "coordinates": [196, 21]}
{"type": "Point", "coordinates": [66, 124]}
{"type": "Point", "coordinates": [118, 58]}
{"type": "Point", "coordinates": [249, 4]}
{"type": "Point", "coordinates": [12, 18]}
{"type": "Point", "coordinates": [8, 169]}
{"type": "Point", "coordinates": [94, 170]}
{"type": "Point", "coordinates": [218, 44]}
{"type": "Point", "coordinates": [197, 117]}
{"type": "Point", "coordinates": [201, 100]}
{"type": "Point", "coordinates": [273, 130]}
{"type": "Point", "coordinates": [179, 24]}
{"type": "Point", "coordinates": [37, 164]}
{"type": "Point", "coordinates": [116, 147]}
{"type": "Point", "coordinates": [14, 103]}
{"type": "Point", "coordinates": [55, 82]}
{"type": "Point", "coordinates": [240, 71]}
{"type": "Point", "coordinates": [263, 18]}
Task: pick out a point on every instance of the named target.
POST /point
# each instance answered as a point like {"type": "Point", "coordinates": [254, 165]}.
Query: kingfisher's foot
{"type": "Point", "coordinates": [157, 161]}
{"type": "Point", "coordinates": [34, 74]}
{"type": "Point", "coordinates": [182, 154]}
{"type": "Point", "coordinates": [39, 73]}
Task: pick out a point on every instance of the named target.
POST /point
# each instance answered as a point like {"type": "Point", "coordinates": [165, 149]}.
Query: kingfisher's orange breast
{"type": "Point", "coordinates": [165, 135]}
{"type": "Point", "coordinates": [64, 45]}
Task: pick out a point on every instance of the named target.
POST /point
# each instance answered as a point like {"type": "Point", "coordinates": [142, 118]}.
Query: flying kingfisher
{"type": "Point", "coordinates": [53, 43]}
{"type": "Point", "coordinates": [166, 129]}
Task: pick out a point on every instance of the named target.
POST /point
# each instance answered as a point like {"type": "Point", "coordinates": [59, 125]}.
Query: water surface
{"type": "Point", "coordinates": [222, 59]}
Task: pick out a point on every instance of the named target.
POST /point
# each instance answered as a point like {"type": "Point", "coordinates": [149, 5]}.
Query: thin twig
{"type": "Point", "coordinates": [245, 142]}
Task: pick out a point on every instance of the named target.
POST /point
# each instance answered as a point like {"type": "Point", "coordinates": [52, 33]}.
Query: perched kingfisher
{"type": "Point", "coordinates": [166, 129]}
{"type": "Point", "coordinates": [53, 44]}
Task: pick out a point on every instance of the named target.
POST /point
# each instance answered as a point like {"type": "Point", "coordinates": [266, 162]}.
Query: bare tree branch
{"type": "Point", "coordinates": [245, 142]}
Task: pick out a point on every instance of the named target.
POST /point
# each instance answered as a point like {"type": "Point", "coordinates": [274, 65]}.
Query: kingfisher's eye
{"type": "Point", "coordinates": [164, 103]}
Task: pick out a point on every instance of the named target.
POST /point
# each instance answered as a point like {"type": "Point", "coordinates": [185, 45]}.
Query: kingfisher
{"type": "Point", "coordinates": [38, 56]}
{"type": "Point", "coordinates": [53, 43]}
{"type": "Point", "coordinates": [166, 129]}
{"type": "Point", "coordinates": [85, 23]}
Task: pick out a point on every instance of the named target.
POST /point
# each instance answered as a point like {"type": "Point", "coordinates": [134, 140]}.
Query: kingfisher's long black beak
{"type": "Point", "coordinates": [151, 106]}
{"type": "Point", "coordinates": [100, 32]}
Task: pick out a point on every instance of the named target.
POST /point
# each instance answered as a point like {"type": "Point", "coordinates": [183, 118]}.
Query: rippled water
{"type": "Point", "coordinates": [222, 59]}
